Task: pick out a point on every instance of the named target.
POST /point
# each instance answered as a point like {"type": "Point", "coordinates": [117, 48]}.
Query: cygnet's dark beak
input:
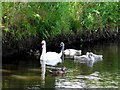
{"type": "Point", "coordinates": [61, 44]}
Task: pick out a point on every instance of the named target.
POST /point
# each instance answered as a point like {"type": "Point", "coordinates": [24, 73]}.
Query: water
{"type": "Point", "coordinates": [25, 73]}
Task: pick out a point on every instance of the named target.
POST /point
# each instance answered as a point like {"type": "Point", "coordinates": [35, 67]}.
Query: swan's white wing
{"type": "Point", "coordinates": [52, 58]}
{"type": "Point", "coordinates": [97, 57]}
{"type": "Point", "coordinates": [70, 52]}
{"type": "Point", "coordinates": [66, 52]}
{"type": "Point", "coordinates": [81, 59]}
{"type": "Point", "coordinates": [78, 52]}
{"type": "Point", "coordinates": [73, 52]}
{"type": "Point", "coordinates": [52, 55]}
{"type": "Point", "coordinates": [84, 59]}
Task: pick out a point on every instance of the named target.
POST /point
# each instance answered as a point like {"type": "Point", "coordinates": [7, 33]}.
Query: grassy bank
{"type": "Point", "coordinates": [24, 25]}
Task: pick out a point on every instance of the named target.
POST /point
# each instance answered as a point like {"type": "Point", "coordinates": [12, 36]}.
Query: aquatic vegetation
{"type": "Point", "coordinates": [94, 80]}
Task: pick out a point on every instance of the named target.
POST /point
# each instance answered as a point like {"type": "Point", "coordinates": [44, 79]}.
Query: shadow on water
{"type": "Point", "coordinates": [25, 72]}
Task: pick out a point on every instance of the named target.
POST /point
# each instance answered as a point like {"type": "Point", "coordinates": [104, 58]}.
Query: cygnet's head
{"type": "Point", "coordinates": [89, 55]}
{"type": "Point", "coordinates": [62, 45]}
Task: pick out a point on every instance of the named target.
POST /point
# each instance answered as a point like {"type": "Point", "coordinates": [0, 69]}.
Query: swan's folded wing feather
{"type": "Point", "coordinates": [52, 58]}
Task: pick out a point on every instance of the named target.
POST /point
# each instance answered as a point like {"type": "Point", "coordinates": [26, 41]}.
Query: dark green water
{"type": "Point", "coordinates": [26, 73]}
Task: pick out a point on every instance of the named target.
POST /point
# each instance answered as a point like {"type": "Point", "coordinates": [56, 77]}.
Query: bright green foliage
{"type": "Point", "coordinates": [49, 19]}
{"type": "Point", "coordinates": [98, 15]}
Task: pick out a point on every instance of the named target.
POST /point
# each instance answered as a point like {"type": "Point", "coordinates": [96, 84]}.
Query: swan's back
{"type": "Point", "coordinates": [52, 58]}
{"type": "Point", "coordinates": [97, 57]}
{"type": "Point", "coordinates": [70, 52]}
{"type": "Point", "coordinates": [81, 59]}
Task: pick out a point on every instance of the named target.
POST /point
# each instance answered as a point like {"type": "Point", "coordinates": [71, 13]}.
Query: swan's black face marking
{"type": "Point", "coordinates": [43, 43]}
{"type": "Point", "coordinates": [61, 44]}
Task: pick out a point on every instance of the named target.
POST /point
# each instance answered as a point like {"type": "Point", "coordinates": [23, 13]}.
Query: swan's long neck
{"type": "Point", "coordinates": [43, 51]}
{"type": "Point", "coordinates": [62, 50]}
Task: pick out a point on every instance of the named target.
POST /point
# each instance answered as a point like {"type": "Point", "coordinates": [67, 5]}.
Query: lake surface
{"type": "Point", "coordinates": [25, 73]}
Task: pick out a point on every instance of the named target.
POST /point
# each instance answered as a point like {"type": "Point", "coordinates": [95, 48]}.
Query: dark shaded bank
{"type": "Point", "coordinates": [14, 48]}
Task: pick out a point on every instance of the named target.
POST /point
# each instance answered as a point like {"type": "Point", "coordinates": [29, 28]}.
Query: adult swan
{"type": "Point", "coordinates": [51, 58]}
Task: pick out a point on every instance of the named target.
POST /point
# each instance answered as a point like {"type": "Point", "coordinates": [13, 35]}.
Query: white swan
{"type": "Point", "coordinates": [83, 58]}
{"type": "Point", "coordinates": [72, 52]}
{"type": "Point", "coordinates": [88, 58]}
{"type": "Point", "coordinates": [51, 58]}
{"type": "Point", "coordinates": [97, 57]}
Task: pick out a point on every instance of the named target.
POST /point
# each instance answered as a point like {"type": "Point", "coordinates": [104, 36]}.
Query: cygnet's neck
{"type": "Point", "coordinates": [62, 50]}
